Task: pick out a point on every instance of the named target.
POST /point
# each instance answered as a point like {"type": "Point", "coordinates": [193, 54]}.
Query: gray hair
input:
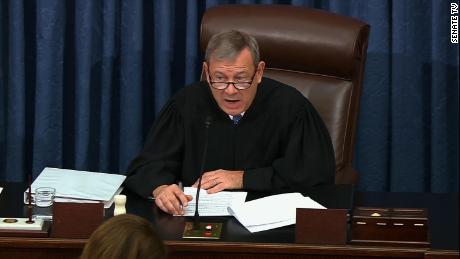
{"type": "Point", "coordinates": [227, 45]}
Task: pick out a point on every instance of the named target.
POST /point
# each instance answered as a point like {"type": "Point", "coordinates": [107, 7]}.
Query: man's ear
{"type": "Point", "coordinates": [204, 71]}
{"type": "Point", "coordinates": [260, 69]}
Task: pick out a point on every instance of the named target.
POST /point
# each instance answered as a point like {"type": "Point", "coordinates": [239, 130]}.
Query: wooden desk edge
{"type": "Point", "coordinates": [433, 254]}
{"type": "Point", "coordinates": [22, 242]}
{"type": "Point", "coordinates": [300, 249]}
{"type": "Point", "coordinates": [179, 247]}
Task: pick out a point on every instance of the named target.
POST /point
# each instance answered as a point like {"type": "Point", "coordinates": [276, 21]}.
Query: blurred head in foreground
{"type": "Point", "coordinates": [124, 236]}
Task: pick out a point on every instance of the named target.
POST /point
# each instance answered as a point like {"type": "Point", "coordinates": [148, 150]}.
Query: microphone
{"type": "Point", "coordinates": [197, 229]}
{"type": "Point", "coordinates": [207, 124]}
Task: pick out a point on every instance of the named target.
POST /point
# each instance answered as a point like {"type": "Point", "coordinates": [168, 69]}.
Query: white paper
{"type": "Point", "coordinates": [80, 185]}
{"type": "Point", "coordinates": [1, 189]}
{"type": "Point", "coordinates": [107, 204]}
{"type": "Point", "coordinates": [215, 204]}
{"type": "Point", "coordinates": [271, 211]}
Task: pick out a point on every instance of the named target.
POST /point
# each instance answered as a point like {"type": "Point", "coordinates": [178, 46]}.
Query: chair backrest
{"type": "Point", "coordinates": [322, 54]}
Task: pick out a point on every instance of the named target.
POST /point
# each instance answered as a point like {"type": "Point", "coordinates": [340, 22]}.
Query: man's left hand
{"type": "Point", "coordinates": [218, 180]}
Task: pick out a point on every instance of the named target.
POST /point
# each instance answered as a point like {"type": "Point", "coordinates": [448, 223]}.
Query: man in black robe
{"type": "Point", "coordinates": [264, 136]}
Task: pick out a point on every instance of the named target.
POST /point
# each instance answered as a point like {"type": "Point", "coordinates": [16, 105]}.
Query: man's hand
{"type": "Point", "coordinates": [171, 199]}
{"type": "Point", "coordinates": [218, 180]}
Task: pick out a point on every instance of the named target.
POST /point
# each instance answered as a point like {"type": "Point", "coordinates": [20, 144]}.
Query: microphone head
{"type": "Point", "coordinates": [208, 121]}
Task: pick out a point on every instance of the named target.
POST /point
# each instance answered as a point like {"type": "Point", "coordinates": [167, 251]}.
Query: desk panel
{"type": "Point", "coordinates": [237, 242]}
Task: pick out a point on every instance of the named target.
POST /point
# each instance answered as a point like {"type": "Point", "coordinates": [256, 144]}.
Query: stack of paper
{"type": "Point", "coordinates": [272, 211]}
{"type": "Point", "coordinates": [215, 204]}
{"type": "Point", "coordinates": [79, 186]}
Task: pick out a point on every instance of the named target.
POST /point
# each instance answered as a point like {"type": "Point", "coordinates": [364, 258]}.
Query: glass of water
{"type": "Point", "coordinates": [44, 196]}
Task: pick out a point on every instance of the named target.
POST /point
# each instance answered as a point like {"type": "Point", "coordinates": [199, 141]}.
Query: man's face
{"type": "Point", "coordinates": [231, 100]}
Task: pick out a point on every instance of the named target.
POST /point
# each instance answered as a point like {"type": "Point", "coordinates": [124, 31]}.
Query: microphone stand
{"type": "Point", "coordinates": [29, 203]}
{"type": "Point", "coordinates": [198, 229]}
{"type": "Point", "coordinates": [196, 223]}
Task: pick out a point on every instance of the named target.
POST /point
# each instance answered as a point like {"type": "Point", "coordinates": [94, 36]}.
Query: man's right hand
{"type": "Point", "coordinates": [171, 199]}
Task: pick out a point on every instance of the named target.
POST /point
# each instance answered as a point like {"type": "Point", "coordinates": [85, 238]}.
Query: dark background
{"type": "Point", "coordinates": [82, 81]}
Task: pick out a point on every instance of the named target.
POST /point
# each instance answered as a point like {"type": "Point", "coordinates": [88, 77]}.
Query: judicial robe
{"type": "Point", "coordinates": [281, 142]}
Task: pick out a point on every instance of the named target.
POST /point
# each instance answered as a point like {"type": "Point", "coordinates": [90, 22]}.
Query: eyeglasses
{"type": "Point", "coordinates": [240, 85]}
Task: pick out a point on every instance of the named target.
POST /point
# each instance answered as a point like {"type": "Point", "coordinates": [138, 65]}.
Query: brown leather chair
{"type": "Point", "coordinates": [322, 54]}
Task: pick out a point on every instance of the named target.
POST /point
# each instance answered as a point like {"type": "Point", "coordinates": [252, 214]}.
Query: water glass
{"type": "Point", "coordinates": [44, 196]}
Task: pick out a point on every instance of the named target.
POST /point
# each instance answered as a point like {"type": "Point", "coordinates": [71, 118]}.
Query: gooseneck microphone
{"type": "Point", "coordinates": [207, 124]}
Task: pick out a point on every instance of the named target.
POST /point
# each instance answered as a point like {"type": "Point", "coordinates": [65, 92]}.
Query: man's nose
{"type": "Point", "coordinates": [231, 89]}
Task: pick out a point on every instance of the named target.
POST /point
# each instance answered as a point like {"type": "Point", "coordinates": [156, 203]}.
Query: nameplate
{"type": "Point", "coordinates": [76, 220]}
{"type": "Point", "coordinates": [318, 226]}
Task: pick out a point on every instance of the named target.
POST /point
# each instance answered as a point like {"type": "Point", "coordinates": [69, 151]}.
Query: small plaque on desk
{"type": "Point", "coordinates": [21, 227]}
{"type": "Point", "coordinates": [204, 231]}
{"type": "Point", "coordinates": [390, 226]}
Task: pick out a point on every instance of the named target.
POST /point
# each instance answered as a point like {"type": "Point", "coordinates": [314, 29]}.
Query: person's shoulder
{"type": "Point", "coordinates": [193, 90]}
{"type": "Point", "coordinates": [282, 95]}
{"type": "Point", "coordinates": [190, 94]}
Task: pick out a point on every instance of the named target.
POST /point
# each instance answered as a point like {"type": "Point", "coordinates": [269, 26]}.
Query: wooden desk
{"type": "Point", "coordinates": [237, 242]}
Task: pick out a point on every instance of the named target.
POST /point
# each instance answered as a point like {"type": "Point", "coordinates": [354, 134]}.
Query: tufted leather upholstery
{"type": "Point", "coordinates": [322, 54]}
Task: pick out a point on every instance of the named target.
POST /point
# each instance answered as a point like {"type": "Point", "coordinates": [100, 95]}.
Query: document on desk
{"type": "Point", "coordinates": [215, 204]}
{"type": "Point", "coordinates": [79, 186]}
{"type": "Point", "coordinates": [272, 211]}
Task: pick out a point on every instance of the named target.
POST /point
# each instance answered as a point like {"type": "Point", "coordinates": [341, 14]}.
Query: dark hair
{"type": "Point", "coordinates": [227, 45]}
{"type": "Point", "coordinates": [124, 236]}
